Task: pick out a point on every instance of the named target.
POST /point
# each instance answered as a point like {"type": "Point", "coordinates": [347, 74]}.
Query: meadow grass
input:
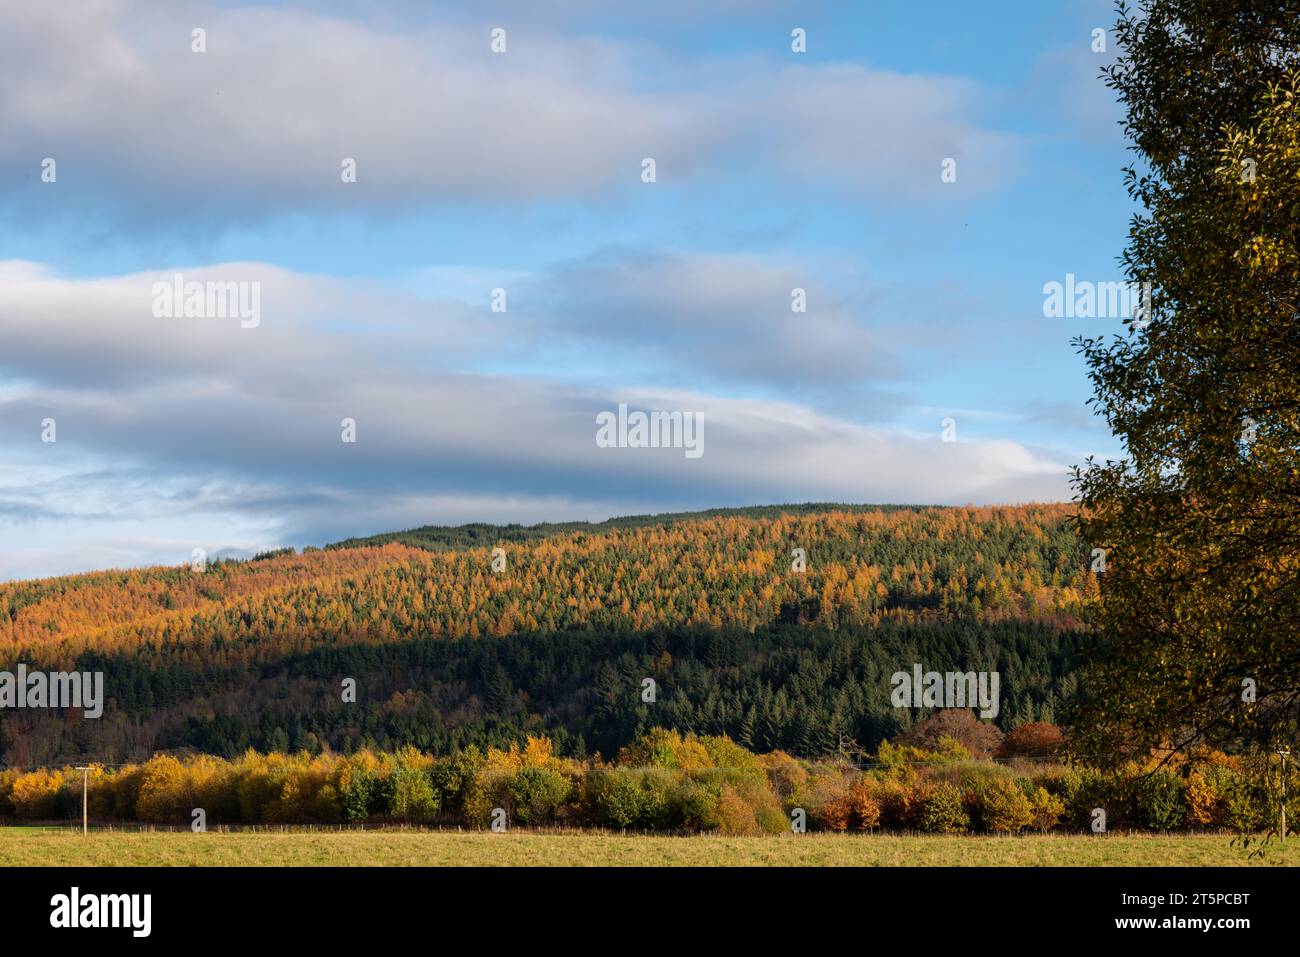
{"type": "Point", "coordinates": [64, 847]}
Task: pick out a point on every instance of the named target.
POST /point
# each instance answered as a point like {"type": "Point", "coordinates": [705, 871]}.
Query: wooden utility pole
{"type": "Point", "coordinates": [1286, 753]}
{"type": "Point", "coordinates": [85, 819]}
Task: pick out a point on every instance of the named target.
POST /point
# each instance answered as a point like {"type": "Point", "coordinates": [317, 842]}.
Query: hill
{"type": "Point", "coordinates": [445, 652]}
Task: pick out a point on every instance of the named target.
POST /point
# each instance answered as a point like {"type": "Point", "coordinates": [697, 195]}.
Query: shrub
{"type": "Point", "coordinates": [698, 802]}
{"type": "Point", "coordinates": [826, 799]}
{"type": "Point", "coordinates": [658, 809]}
{"type": "Point", "coordinates": [900, 803]}
{"type": "Point", "coordinates": [410, 793]}
{"type": "Point", "coordinates": [1004, 808]}
{"type": "Point", "coordinates": [212, 787]}
{"type": "Point", "coordinates": [628, 797]}
{"type": "Point", "coordinates": [735, 816]}
{"type": "Point", "coordinates": [863, 808]}
{"type": "Point", "coordinates": [771, 818]}
{"type": "Point", "coordinates": [1046, 809]}
{"type": "Point", "coordinates": [258, 783]}
{"type": "Point", "coordinates": [942, 811]}
{"type": "Point", "coordinates": [537, 792]}
{"type": "Point", "coordinates": [1244, 804]}
{"type": "Point", "coordinates": [452, 776]}
{"type": "Point", "coordinates": [325, 806]}
{"type": "Point", "coordinates": [486, 790]}
{"type": "Point", "coordinates": [305, 792]}
{"type": "Point", "coordinates": [785, 776]}
{"type": "Point", "coordinates": [1222, 796]}
{"type": "Point", "coordinates": [358, 791]}
{"type": "Point", "coordinates": [1203, 803]}
{"type": "Point", "coordinates": [35, 795]}
{"type": "Point", "coordinates": [165, 793]}
{"type": "Point", "coordinates": [751, 789]}
{"type": "Point", "coordinates": [1060, 782]}
{"type": "Point", "coordinates": [7, 778]}
{"type": "Point", "coordinates": [126, 791]}
{"type": "Point", "coordinates": [832, 815]}
{"type": "Point", "coordinates": [1160, 801]}
{"type": "Point", "coordinates": [1092, 789]}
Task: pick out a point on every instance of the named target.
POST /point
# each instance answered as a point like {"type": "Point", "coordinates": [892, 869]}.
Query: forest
{"type": "Point", "coordinates": [778, 627]}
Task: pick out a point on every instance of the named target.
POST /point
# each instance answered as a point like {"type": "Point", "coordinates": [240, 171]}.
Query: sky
{"type": "Point", "coordinates": [435, 337]}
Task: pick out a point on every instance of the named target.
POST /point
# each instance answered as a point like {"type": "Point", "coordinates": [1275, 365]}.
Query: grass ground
{"type": "Point", "coordinates": [54, 846]}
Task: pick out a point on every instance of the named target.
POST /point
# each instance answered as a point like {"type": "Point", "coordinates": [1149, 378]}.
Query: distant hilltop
{"type": "Point", "coordinates": [481, 534]}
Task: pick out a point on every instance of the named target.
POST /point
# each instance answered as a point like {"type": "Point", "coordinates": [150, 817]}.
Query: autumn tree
{"type": "Point", "coordinates": [1199, 517]}
{"type": "Point", "coordinates": [1034, 739]}
{"type": "Point", "coordinates": [1004, 808]}
{"type": "Point", "coordinates": [980, 738]}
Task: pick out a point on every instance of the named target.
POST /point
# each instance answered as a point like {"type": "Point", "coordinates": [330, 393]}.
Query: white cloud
{"type": "Point", "coordinates": [197, 431]}
{"type": "Point", "coordinates": [176, 433]}
{"type": "Point", "coordinates": [262, 121]}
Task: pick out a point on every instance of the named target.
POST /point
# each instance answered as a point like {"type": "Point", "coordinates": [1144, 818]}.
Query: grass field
{"type": "Point", "coordinates": [51, 846]}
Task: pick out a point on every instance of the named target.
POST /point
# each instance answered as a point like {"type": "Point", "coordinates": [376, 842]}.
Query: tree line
{"type": "Point", "coordinates": [662, 781]}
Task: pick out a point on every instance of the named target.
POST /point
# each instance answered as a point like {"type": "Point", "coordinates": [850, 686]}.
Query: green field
{"type": "Point", "coordinates": [51, 846]}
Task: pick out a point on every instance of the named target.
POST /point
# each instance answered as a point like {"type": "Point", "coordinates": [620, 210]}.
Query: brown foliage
{"type": "Point", "coordinates": [1037, 739]}
{"type": "Point", "coordinates": [978, 737]}
{"type": "Point", "coordinates": [863, 809]}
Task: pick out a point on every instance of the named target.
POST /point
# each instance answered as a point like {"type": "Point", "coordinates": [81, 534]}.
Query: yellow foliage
{"type": "Point", "coordinates": [35, 794]}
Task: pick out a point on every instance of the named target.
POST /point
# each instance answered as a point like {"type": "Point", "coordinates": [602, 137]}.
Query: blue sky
{"type": "Point", "coordinates": [521, 170]}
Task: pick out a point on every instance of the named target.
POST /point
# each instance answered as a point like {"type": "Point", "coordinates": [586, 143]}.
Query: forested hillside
{"type": "Point", "coordinates": [445, 652]}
